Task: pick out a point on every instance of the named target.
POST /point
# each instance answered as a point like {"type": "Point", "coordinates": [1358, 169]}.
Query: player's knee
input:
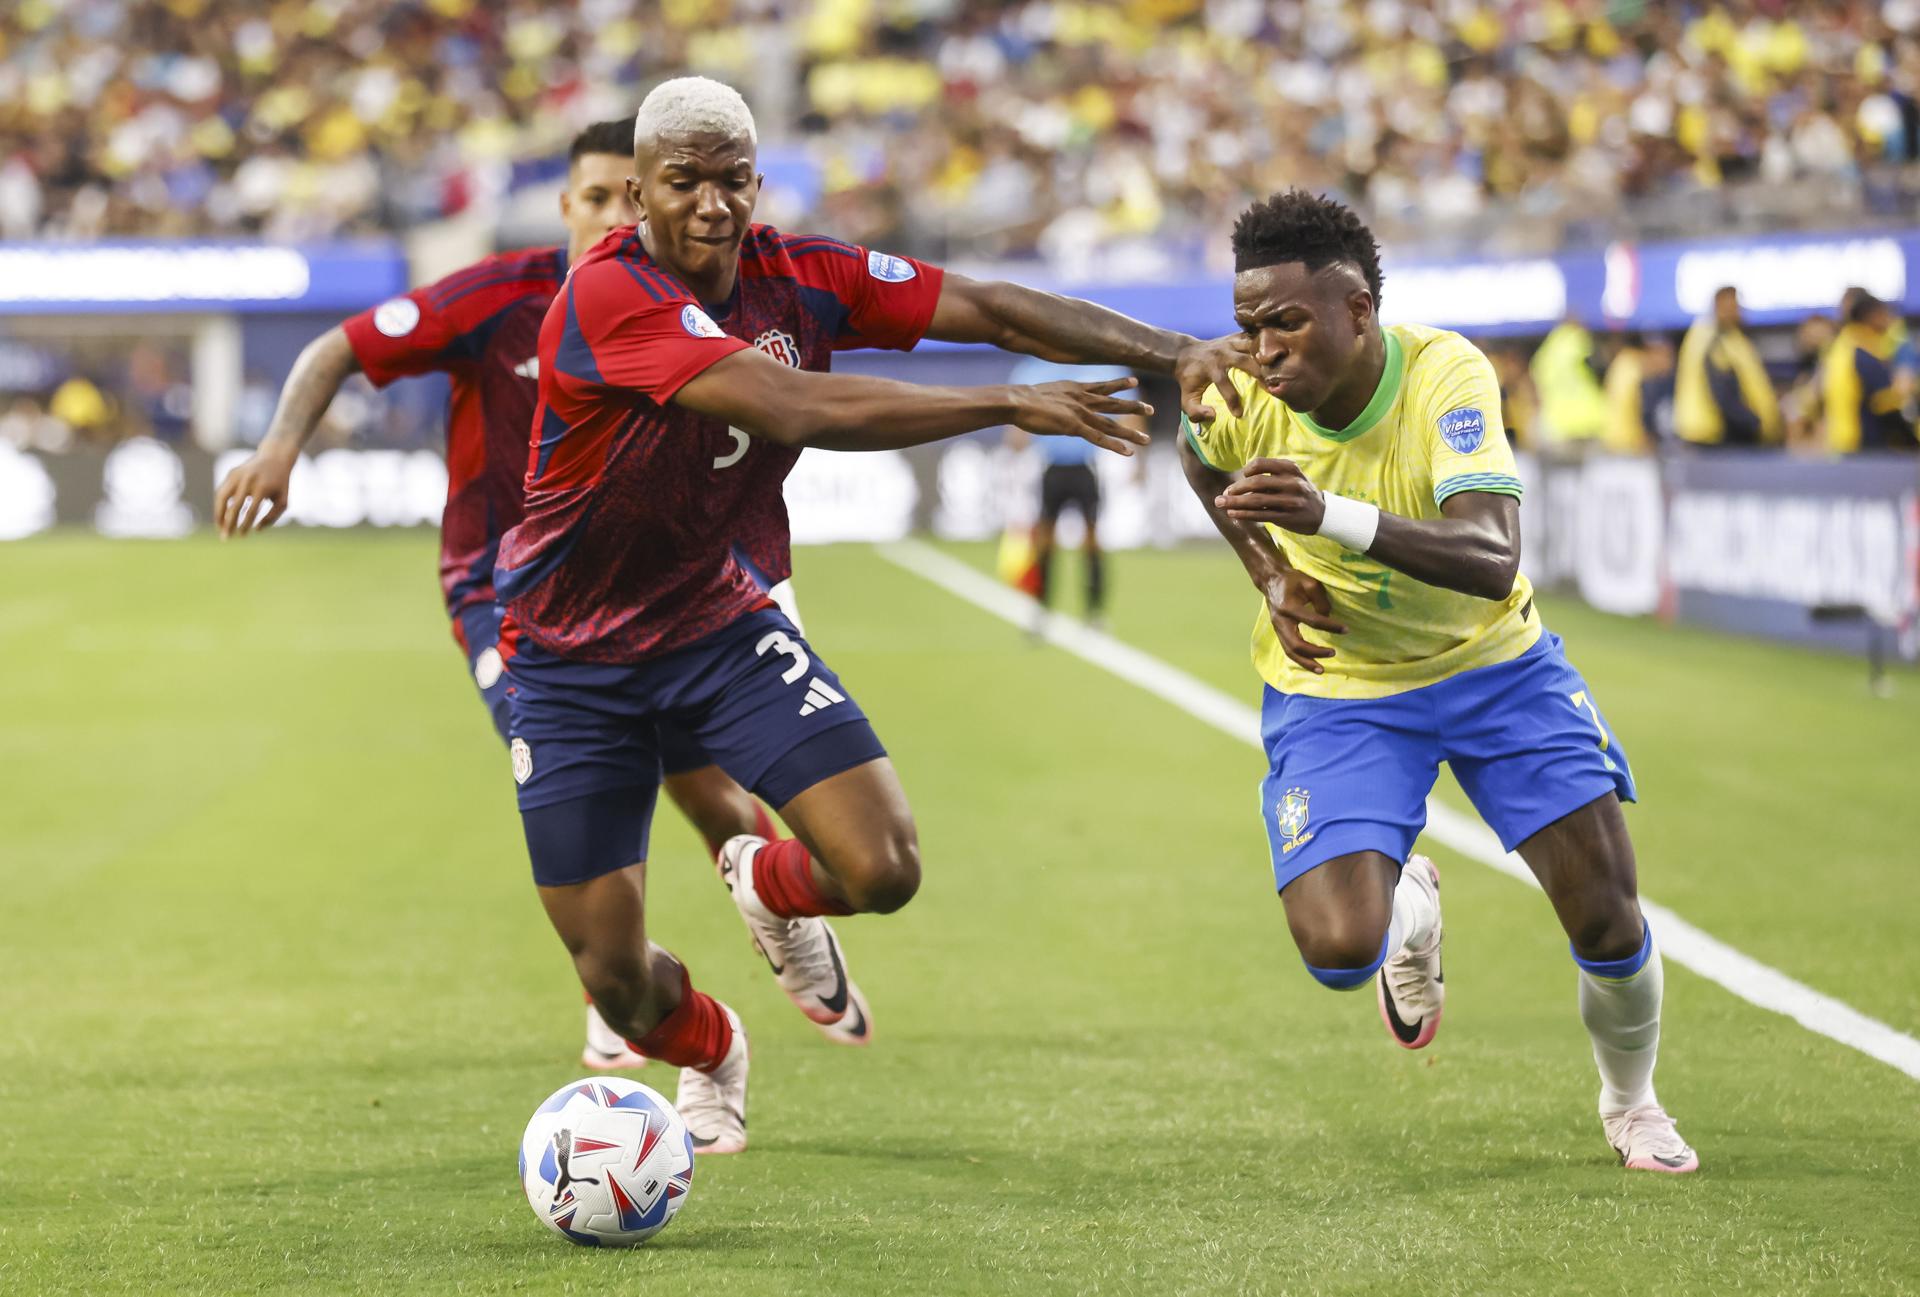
{"type": "Point", "coordinates": [1609, 930]}
{"type": "Point", "coordinates": [883, 878]}
{"type": "Point", "coordinates": [1343, 955]}
{"type": "Point", "coordinates": [621, 983]}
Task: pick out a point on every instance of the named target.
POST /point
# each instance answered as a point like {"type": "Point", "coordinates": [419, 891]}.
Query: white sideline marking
{"type": "Point", "coordinates": [1680, 941]}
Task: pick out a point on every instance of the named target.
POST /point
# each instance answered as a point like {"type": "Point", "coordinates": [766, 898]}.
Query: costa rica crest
{"type": "Point", "coordinates": [780, 345]}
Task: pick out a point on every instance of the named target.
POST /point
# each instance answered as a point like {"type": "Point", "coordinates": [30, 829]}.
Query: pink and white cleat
{"type": "Point", "coordinates": [607, 1050]}
{"type": "Point", "coordinates": [714, 1104]}
{"type": "Point", "coordinates": [1412, 990]}
{"type": "Point", "coordinates": [1646, 1140]}
{"type": "Point", "coordinates": [803, 953]}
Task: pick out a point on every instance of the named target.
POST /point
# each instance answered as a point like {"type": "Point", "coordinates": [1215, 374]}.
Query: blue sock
{"type": "Point", "coordinates": [1619, 970]}
{"type": "Point", "coordinates": [1346, 979]}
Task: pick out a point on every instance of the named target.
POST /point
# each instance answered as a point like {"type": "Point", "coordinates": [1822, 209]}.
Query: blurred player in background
{"type": "Point", "coordinates": [1376, 459]}
{"type": "Point", "coordinates": [1069, 480]}
{"type": "Point", "coordinates": [480, 326]}
{"type": "Point", "coordinates": [683, 367]}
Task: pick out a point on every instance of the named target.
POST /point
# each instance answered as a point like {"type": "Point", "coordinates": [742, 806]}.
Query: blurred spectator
{"type": "Point", "coordinates": [1864, 399]}
{"type": "Point", "coordinates": [1722, 394]}
{"type": "Point", "coordinates": [1800, 404]}
{"type": "Point", "coordinates": [1639, 392]}
{"type": "Point", "coordinates": [1102, 135]}
{"type": "Point", "coordinates": [82, 406]}
{"type": "Point", "coordinates": [1519, 407]}
{"type": "Point", "coordinates": [1573, 409]}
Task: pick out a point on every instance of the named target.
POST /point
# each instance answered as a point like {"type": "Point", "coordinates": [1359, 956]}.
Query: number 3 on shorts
{"type": "Point", "coordinates": [1580, 700]}
{"type": "Point", "coordinates": [778, 642]}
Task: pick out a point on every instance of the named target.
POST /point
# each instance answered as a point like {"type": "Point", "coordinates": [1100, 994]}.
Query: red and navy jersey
{"type": "Point", "coordinates": [635, 507]}
{"type": "Point", "coordinates": [481, 327]}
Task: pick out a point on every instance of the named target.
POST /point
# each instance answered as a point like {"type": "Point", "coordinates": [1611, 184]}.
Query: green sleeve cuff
{"type": "Point", "coordinates": [1186, 430]}
{"type": "Point", "coordinates": [1491, 483]}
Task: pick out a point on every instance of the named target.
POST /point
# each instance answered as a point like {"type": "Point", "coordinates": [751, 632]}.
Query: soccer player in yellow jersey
{"type": "Point", "coordinates": [1367, 486]}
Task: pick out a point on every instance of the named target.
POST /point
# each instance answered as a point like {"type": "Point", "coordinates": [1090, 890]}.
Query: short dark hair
{"type": "Point", "coordinates": [1863, 307]}
{"type": "Point", "coordinates": [615, 137]}
{"type": "Point", "coordinates": [1303, 227]}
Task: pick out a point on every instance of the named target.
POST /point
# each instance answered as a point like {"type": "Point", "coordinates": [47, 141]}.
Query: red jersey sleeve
{"type": "Point", "coordinates": [401, 336]}
{"type": "Point", "coordinates": [631, 327]}
{"type": "Point", "coordinates": [888, 300]}
{"type": "Point", "coordinates": [441, 325]}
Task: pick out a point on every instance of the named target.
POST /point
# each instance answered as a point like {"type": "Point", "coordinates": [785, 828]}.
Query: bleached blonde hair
{"type": "Point", "coordinates": [693, 106]}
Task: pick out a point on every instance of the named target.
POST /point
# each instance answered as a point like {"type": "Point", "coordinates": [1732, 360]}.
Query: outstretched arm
{"type": "Point", "coordinates": [797, 407]}
{"type": "Point", "coordinates": [255, 492]}
{"type": "Point", "coordinates": [1474, 548]}
{"type": "Point", "coordinates": [1071, 331]}
{"type": "Point", "coordinates": [1294, 599]}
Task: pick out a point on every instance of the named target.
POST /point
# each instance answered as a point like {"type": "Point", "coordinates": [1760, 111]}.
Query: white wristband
{"type": "Point", "coordinates": [1351, 522]}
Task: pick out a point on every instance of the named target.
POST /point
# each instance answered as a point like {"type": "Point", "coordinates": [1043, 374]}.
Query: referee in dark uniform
{"type": "Point", "coordinates": [1068, 481]}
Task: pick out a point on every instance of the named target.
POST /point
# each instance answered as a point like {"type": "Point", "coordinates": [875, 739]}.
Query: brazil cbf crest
{"type": "Point", "coordinates": [1463, 430]}
{"type": "Point", "coordinates": [1290, 816]}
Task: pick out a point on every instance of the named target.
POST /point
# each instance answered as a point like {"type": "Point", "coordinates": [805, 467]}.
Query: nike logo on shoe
{"type": "Point", "coordinates": [1406, 1034]}
{"type": "Point", "coordinates": [858, 1027]}
{"type": "Point", "coordinates": [837, 1002]}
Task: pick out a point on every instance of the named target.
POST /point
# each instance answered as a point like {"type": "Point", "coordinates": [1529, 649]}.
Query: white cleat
{"type": "Point", "coordinates": [803, 953]}
{"type": "Point", "coordinates": [606, 1049]}
{"type": "Point", "coordinates": [1647, 1140]}
{"type": "Point", "coordinates": [1412, 990]}
{"type": "Point", "coordinates": [714, 1104]}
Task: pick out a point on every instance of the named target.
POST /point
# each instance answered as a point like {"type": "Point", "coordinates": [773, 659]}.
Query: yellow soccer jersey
{"type": "Point", "coordinates": [1432, 430]}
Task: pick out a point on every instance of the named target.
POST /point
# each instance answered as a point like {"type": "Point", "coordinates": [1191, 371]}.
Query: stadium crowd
{"type": "Point", "coordinates": [1129, 130]}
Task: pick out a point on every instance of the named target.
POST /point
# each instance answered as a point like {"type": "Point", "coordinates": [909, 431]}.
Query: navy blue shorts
{"type": "Point", "coordinates": [477, 627]}
{"type": "Point", "coordinates": [587, 748]}
{"type": "Point", "coordinates": [1525, 739]}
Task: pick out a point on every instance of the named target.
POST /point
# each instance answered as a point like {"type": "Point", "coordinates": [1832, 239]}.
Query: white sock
{"type": "Point", "coordinates": [1624, 1020]}
{"type": "Point", "coordinates": [601, 1038]}
{"type": "Point", "coordinates": [1414, 913]}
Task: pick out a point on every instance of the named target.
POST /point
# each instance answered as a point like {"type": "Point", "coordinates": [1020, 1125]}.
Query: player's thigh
{"type": "Point", "coordinates": [1529, 743]}
{"type": "Point", "coordinates": [771, 713]}
{"type": "Point", "coordinates": [1055, 493]}
{"type": "Point", "coordinates": [477, 628]}
{"type": "Point", "coordinates": [857, 817]}
{"type": "Point", "coordinates": [586, 767]}
{"type": "Point", "coordinates": [1585, 863]}
{"type": "Point", "coordinates": [1345, 778]}
{"type": "Point", "coordinates": [1339, 910]}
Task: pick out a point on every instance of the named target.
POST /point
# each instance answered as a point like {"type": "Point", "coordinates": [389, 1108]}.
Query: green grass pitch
{"type": "Point", "coordinates": [278, 998]}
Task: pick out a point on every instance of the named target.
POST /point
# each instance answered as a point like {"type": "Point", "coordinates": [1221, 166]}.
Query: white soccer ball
{"type": "Point", "coordinates": [606, 1162]}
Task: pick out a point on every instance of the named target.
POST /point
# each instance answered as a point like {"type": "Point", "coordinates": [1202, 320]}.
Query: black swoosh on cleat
{"type": "Point", "coordinates": [837, 1002]}
{"type": "Point", "coordinates": [858, 1031]}
{"type": "Point", "coordinates": [1407, 1035]}
{"type": "Point", "coordinates": [1669, 1161]}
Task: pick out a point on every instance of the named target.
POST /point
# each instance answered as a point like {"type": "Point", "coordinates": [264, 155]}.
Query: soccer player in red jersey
{"type": "Point", "coordinates": [683, 367]}
{"type": "Point", "coordinates": [480, 326]}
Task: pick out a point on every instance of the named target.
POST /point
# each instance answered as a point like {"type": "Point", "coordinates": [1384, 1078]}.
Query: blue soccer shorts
{"type": "Point", "coordinates": [586, 745]}
{"type": "Point", "coordinates": [477, 628]}
{"type": "Point", "coordinates": [1525, 739]}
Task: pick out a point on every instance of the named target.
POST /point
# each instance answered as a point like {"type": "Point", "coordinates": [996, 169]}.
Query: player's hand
{"type": "Point", "coordinates": [1295, 600]}
{"type": "Point", "coordinates": [1211, 363]}
{"type": "Point", "coordinates": [1081, 410]}
{"type": "Point", "coordinates": [253, 494]}
{"type": "Point", "coordinates": [1274, 491]}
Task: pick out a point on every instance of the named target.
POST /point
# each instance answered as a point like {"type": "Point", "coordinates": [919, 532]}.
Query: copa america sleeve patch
{"type": "Point", "coordinates": [889, 268]}
{"type": "Point", "coordinates": [699, 323]}
{"type": "Point", "coordinates": [1463, 430]}
{"type": "Point", "coordinates": [396, 318]}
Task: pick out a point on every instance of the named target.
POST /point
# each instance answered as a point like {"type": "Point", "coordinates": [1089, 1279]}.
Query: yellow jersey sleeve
{"type": "Point", "coordinates": [1226, 444]}
{"type": "Point", "coordinates": [1457, 411]}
